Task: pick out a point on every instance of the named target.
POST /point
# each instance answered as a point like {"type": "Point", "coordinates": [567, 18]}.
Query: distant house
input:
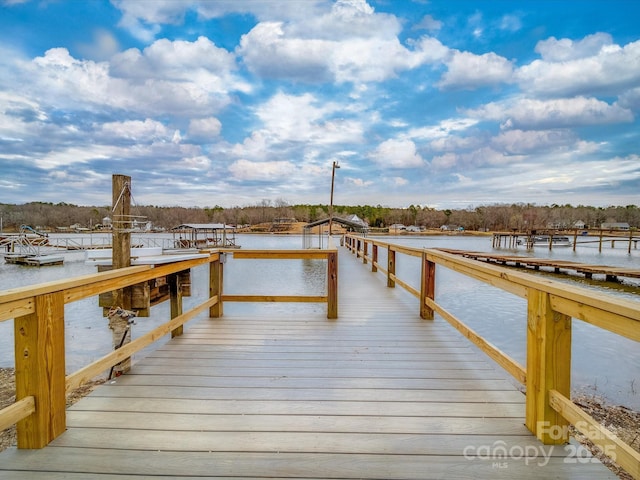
{"type": "Point", "coordinates": [397, 226]}
{"type": "Point", "coordinates": [579, 224]}
{"type": "Point", "coordinates": [449, 228]}
{"type": "Point", "coordinates": [615, 226]}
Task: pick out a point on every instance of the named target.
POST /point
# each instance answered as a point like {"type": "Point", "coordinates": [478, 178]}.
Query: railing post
{"type": "Point", "coordinates": [175, 298]}
{"type": "Point", "coordinates": [216, 282]}
{"type": "Point", "coordinates": [391, 267]}
{"type": "Point", "coordinates": [374, 259]}
{"type": "Point", "coordinates": [332, 284]}
{"type": "Point", "coordinates": [548, 367]}
{"type": "Point", "coordinates": [40, 370]}
{"type": "Point", "coordinates": [427, 287]}
{"type": "Point", "coordinates": [365, 251]}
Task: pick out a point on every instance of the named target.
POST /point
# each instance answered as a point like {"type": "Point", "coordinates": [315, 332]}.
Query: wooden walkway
{"type": "Point", "coordinates": [378, 393]}
{"type": "Point", "coordinates": [609, 273]}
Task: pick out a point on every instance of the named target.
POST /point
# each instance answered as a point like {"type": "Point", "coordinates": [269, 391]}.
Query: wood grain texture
{"type": "Point", "coordinates": [376, 393]}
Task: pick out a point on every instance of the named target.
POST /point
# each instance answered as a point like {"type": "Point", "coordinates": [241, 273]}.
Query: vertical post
{"type": "Point", "coordinates": [121, 258]}
{"type": "Point", "coordinates": [600, 243]}
{"type": "Point", "coordinates": [391, 267]}
{"type": "Point", "coordinates": [427, 287]}
{"type": "Point", "coordinates": [374, 259]}
{"type": "Point", "coordinates": [40, 370]}
{"type": "Point", "coordinates": [365, 251]}
{"type": "Point", "coordinates": [332, 284]}
{"type": "Point", "coordinates": [548, 367]}
{"type": "Point", "coordinates": [175, 298]}
{"type": "Point", "coordinates": [333, 176]}
{"type": "Point", "coordinates": [121, 236]}
{"type": "Point", "coordinates": [630, 239]}
{"type": "Point", "coordinates": [216, 272]}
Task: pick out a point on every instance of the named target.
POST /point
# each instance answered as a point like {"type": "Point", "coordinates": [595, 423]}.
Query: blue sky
{"type": "Point", "coordinates": [448, 104]}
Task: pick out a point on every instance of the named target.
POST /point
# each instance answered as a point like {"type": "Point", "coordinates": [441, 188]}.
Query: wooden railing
{"type": "Point", "coordinates": [550, 307]}
{"type": "Point", "coordinates": [38, 313]}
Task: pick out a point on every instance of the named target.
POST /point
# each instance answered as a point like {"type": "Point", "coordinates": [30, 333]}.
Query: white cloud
{"type": "Point", "coordinates": [529, 113]}
{"type": "Point", "coordinates": [358, 182]}
{"type": "Point", "coordinates": [177, 78]}
{"type": "Point", "coordinates": [144, 18]}
{"type": "Point", "coordinates": [520, 141]}
{"type": "Point", "coordinates": [351, 43]}
{"type": "Point", "coordinates": [428, 23]}
{"type": "Point", "coordinates": [592, 66]}
{"type": "Point", "coordinates": [444, 128]}
{"type": "Point", "coordinates": [103, 47]}
{"type": "Point", "coordinates": [204, 129]}
{"type": "Point", "coordinates": [469, 71]}
{"type": "Point", "coordinates": [178, 61]}
{"type": "Point", "coordinates": [147, 131]}
{"type": "Point", "coordinates": [631, 99]}
{"type": "Point", "coordinates": [397, 154]}
{"type": "Point", "coordinates": [302, 118]}
{"type": "Point", "coordinates": [245, 170]}
{"type": "Point", "coordinates": [511, 23]}
{"type": "Point", "coordinates": [199, 163]}
{"type": "Point", "coordinates": [554, 50]}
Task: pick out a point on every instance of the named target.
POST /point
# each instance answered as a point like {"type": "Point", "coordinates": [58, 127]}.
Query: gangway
{"type": "Point", "coordinates": [26, 248]}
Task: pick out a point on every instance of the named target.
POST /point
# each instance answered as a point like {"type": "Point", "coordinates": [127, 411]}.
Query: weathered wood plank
{"type": "Point", "coordinates": [310, 382]}
{"type": "Point", "coordinates": [302, 372]}
{"type": "Point", "coordinates": [291, 442]}
{"type": "Point", "coordinates": [293, 465]}
{"type": "Point", "coordinates": [313, 394]}
{"type": "Point", "coordinates": [275, 407]}
{"type": "Point", "coordinates": [298, 423]}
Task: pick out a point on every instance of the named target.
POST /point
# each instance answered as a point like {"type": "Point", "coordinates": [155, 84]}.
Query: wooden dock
{"type": "Point", "coordinates": [607, 273]}
{"type": "Point", "coordinates": [377, 393]}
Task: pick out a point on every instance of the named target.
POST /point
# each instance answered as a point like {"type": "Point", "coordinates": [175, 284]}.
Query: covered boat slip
{"type": "Point", "coordinates": [377, 393]}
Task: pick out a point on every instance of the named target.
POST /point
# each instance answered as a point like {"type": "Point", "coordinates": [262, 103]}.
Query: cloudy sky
{"type": "Point", "coordinates": [449, 104]}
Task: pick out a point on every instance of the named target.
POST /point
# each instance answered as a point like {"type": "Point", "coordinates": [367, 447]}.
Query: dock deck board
{"type": "Point", "coordinates": [377, 393]}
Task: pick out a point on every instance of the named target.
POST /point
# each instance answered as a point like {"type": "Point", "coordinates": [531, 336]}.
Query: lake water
{"type": "Point", "coordinates": [602, 363]}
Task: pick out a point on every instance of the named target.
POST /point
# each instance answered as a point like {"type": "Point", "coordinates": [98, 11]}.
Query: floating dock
{"type": "Point", "coordinates": [611, 274]}
{"type": "Point", "coordinates": [33, 260]}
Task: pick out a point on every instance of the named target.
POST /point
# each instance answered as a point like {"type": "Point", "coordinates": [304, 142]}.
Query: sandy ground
{"type": "Point", "coordinates": [620, 420]}
{"type": "Point", "coordinates": [8, 396]}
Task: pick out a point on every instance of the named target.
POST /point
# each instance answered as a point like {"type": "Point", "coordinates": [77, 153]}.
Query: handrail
{"type": "Point", "coordinates": [550, 307]}
{"type": "Point", "coordinates": [330, 254]}
{"type": "Point", "coordinates": [38, 313]}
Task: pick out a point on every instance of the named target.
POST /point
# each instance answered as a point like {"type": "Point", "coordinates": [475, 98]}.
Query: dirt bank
{"type": "Point", "coordinates": [8, 396]}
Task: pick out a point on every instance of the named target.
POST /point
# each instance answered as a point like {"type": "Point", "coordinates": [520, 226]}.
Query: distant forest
{"type": "Point", "coordinates": [498, 217]}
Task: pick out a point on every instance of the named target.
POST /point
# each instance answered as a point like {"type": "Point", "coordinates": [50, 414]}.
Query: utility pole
{"type": "Point", "coordinates": [333, 176]}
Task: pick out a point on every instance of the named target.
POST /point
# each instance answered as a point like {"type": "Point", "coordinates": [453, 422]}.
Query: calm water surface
{"type": "Point", "coordinates": [602, 363]}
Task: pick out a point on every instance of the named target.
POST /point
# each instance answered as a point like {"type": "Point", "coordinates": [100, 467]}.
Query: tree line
{"type": "Point", "coordinates": [497, 217]}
